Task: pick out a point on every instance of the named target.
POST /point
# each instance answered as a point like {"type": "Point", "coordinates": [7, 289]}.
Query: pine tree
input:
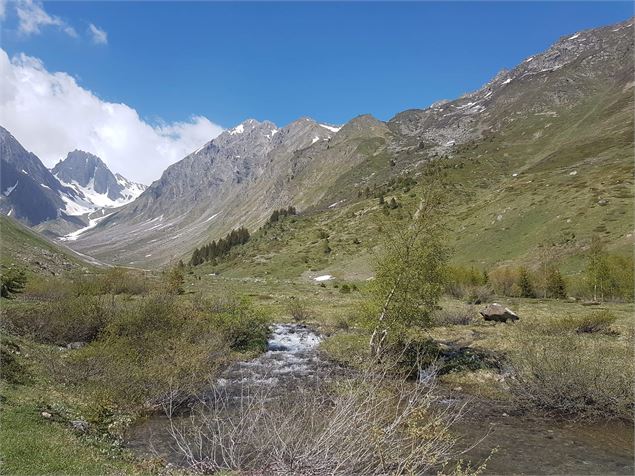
{"type": "Point", "coordinates": [556, 287]}
{"type": "Point", "coordinates": [524, 283]}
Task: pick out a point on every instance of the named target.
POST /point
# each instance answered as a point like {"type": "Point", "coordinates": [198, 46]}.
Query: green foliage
{"type": "Point", "coordinates": [345, 289]}
{"type": "Point", "coordinates": [160, 348]}
{"type": "Point", "coordinates": [410, 275]}
{"type": "Point", "coordinates": [278, 215]}
{"type": "Point", "coordinates": [12, 281]}
{"type": "Point", "coordinates": [174, 280]}
{"type": "Point", "coordinates": [608, 277]}
{"type": "Point", "coordinates": [525, 284]}
{"type": "Point", "coordinates": [556, 286]}
{"type": "Point", "coordinates": [72, 319]}
{"type": "Point", "coordinates": [245, 327]}
{"type": "Point", "coordinates": [214, 250]}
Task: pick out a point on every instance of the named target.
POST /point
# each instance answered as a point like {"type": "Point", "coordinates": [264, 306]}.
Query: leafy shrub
{"type": "Point", "coordinates": [114, 280]}
{"type": "Point", "coordinates": [345, 289]}
{"type": "Point", "coordinates": [174, 280]}
{"type": "Point", "coordinates": [589, 378]}
{"type": "Point", "coordinates": [160, 349]}
{"type": "Point", "coordinates": [11, 370]}
{"type": "Point", "coordinates": [50, 288]}
{"type": "Point", "coordinates": [245, 327]}
{"type": "Point", "coordinates": [75, 319]}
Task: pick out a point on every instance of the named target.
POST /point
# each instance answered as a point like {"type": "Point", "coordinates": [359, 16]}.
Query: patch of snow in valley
{"type": "Point", "coordinates": [8, 191]}
{"type": "Point", "coordinates": [325, 277]}
{"type": "Point", "coordinates": [92, 223]}
{"type": "Point", "coordinates": [315, 139]}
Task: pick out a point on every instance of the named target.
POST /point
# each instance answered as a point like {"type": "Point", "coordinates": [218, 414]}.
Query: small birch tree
{"type": "Point", "coordinates": [410, 273]}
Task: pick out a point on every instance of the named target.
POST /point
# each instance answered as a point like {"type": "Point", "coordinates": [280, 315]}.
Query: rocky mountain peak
{"type": "Point", "coordinates": [93, 181]}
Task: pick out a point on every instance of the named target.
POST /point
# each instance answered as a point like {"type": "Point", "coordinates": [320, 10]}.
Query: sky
{"type": "Point", "coordinates": [142, 84]}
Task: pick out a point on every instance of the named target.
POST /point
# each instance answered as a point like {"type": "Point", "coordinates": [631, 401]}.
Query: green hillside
{"type": "Point", "coordinates": [542, 186]}
{"type": "Point", "coordinates": [25, 248]}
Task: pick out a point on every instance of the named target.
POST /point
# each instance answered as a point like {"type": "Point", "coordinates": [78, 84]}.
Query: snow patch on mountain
{"type": "Point", "coordinates": [8, 191]}
{"type": "Point", "coordinates": [330, 128]}
{"type": "Point", "coordinates": [239, 129]}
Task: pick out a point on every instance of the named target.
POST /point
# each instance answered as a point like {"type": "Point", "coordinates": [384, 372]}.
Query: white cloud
{"type": "Point", "coordinates": [32, 17]}
{"type": "Point", "coordinates": [50, 114]}
{"type": "Point", "coordinates": [99, 36]}
{"type": "Point", "coordinates": [3, 9]}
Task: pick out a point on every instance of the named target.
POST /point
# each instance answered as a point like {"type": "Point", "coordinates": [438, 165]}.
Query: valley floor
{"type": "Point", "coordinates": [38, 411]}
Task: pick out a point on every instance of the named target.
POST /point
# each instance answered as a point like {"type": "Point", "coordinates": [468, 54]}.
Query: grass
{"type": "Point", "coordinates": [34, 445]}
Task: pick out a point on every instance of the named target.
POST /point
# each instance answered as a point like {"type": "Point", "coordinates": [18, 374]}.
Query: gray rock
{"type": "Point", "coordinates": [75, 345]}
{"type": "Point", "coordinates": [497, 313]}
{"type": "Point", "coordinates": [81, 426]}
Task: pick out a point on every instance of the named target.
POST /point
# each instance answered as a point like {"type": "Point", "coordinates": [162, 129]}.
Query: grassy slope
{"type": "Point", "coordinates": [574, 179]}
{"type": "Point", "coordinates": [26, 248]}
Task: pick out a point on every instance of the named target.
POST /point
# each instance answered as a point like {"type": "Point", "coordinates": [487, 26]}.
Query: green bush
{"type": "Point", "coordinates": [12, 281]}
{"type": "Point", "coordinates": [74, 319]}
{"type": "Point", "coordinates": [160, 349]}
{"type": "Point", "coordinates": [345, 289]}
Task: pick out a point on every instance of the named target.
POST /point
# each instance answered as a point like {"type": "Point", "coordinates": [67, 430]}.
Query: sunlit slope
{"type": "Point", "coordinates": [542, 183]}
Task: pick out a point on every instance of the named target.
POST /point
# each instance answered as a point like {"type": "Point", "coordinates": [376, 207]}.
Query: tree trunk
{"type": "Point", "coordinates": [375, 347]}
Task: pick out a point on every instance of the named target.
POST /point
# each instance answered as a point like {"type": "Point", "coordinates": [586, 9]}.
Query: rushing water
{"type": "Point", "coordinates": [525, 445]}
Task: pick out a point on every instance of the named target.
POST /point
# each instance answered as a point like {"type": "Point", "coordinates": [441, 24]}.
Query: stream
{"type": "Point", "coordinates": [525, 444]}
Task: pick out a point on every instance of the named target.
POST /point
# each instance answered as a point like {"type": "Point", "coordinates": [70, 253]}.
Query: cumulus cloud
{"type": "Point", "coordinates": [32, 17]}
{"type": "Point", "coordinates": [99, 36]}
{"type": "Point", "coordinates": [50, 114]}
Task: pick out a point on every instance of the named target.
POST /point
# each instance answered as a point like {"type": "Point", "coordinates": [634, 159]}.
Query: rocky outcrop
{"type": "Point", "coordinates": [497, 313]}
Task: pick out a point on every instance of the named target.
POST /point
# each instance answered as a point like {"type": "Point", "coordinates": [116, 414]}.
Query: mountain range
{"type": "Point", "coordinates": [63, 198]}
{"type": "Point", "coordinates": [241, 176]}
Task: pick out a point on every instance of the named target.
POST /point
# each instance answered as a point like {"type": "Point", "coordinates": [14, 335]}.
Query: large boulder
{"type": "Point", "coordinates": [497, 313]}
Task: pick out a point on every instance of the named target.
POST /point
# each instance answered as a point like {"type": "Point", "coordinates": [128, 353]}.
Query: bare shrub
{"type": "Point", "coordinates": [503, 281]}
{"type": "Point", "coordinates": [574, 377]}
{"type": "Point", "coordinates": [589, 323]}
{"type": "Point", "coordinates": [596, 322]}
{"type": "Point", "coordinates": [365, 425]}
{"type": "Point", "coordinates": [460, 316]}
{"type": "Point", "coordinates": [298, 310]}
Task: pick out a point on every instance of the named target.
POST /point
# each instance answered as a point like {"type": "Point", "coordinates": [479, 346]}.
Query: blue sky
{"type": "Point", "coordinates": [279, 61]}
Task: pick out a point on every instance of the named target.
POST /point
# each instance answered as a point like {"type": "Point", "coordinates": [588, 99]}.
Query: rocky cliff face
{"type": "Point", "coordinates": [30, 193]}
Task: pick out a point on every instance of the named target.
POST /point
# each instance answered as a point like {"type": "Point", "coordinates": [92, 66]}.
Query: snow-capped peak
{"type": "Point", "coordinates": [239, 129]}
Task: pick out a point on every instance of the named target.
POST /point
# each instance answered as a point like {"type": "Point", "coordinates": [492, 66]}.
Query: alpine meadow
{"type": "Point", "coordinates": [445, 290]}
